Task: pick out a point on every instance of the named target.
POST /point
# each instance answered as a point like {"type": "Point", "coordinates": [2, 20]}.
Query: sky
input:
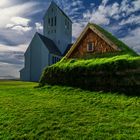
{"type": "Point", "coordinates": [20, 19]}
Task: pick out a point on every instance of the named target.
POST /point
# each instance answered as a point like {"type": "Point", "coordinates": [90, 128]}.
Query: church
{"type": "Point", "coordinates": [47, 49]}
{"type": "Point", "coordinates": [55, 43]}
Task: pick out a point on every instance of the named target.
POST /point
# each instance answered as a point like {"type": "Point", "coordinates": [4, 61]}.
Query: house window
{"type": "Point", "coordinates": [90, 47]}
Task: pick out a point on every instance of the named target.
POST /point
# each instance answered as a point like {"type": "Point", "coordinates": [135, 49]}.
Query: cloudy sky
{"type": "Point", "coordinates": [20, 19]}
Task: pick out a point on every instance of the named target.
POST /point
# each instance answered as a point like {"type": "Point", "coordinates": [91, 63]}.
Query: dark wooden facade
{"type": "Point", "coordinates": [99, 45]}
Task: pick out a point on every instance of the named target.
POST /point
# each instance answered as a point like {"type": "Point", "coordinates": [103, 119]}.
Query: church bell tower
{"type": "Point", "coordinates": [58, 27]}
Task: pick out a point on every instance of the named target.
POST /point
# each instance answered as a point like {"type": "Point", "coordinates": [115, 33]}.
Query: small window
{"type": "Point", "coordinates": [55, 59]}
{"type": "Point", "coordinates": [65, 23]}
{"type": "Point", "coordinates": [55, 21]}
{"type": "Point", "coordinates": [51, 21]}
{"type": "Point", "coordinates": [68, 25]}
{"type": "Point", "coordinates": [90, 47]}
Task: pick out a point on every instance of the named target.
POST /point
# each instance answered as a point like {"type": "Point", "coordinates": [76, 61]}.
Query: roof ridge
{"type": "Point", "coordinates": [52, 2]}
{"type": "Point", "coordinates": [50, 44]}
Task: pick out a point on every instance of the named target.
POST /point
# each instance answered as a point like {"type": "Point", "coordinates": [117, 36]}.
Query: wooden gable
{"type": "Point", "coordinates": [91, 41]}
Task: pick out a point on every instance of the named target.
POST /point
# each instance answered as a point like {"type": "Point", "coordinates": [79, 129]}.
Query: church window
{"type": "Point", "coordinates": [65, 23]}
{"type": "Point", "coordinates": [68, 25]}
{"type": "Point", "coordinates": [51, 21]}
{"type": "Point", "coordinates": [55, 21]}
{"type": "Point", "coordinates": [55, 59]}
{"type": "Point", "coordinates": [90, 47]}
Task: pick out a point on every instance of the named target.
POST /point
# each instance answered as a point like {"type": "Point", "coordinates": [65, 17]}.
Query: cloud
{"type": "Point", "coordinates": [4, 3]}
{"type": "Point", "coordinates": [11, 60]}
{"type": "Point", "coordinates": [19, 24]}
{"type": "Point", "coordinates": [133, 19]}
{"type": "Point", "coordinates": [133, 39]}
{"type": "Point", "coordinates": [20, 21]}
{"type": "Point", "coordinates": [39, 27]}
{"type": "Point", "coordinates": [8, 48]}
{"type": "Point", "coordinates": [8, 71]}
{"type": "Point", "coordinates": [15, 11]}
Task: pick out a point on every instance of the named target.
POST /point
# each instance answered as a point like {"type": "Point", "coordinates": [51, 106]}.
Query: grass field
{"type": "Point", "coordinates": [55, 112]}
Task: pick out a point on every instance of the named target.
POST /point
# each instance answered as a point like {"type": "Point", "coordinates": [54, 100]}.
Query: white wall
{"type": "Point", "coordinates": [63, 36]}
{"type": "Point", "coordinates": [36, 59]}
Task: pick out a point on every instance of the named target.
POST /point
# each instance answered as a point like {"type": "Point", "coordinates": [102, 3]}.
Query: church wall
{"type": "Point", "coordinates": [59, 34]}
{"type": "Point", "coordinates": [99, 46]}
{"type": "Point", "coordinates": [25, 72]}
{"type": "Point", "coordinates": [35, 59]}
{"type": "Point", "coordinates": [44, 57]}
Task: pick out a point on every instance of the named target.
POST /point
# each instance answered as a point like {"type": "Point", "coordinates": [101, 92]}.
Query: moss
{"type": "Point", "coordinates": [101, 73]}
{"type": "Point", "coordinates": [125, 49]}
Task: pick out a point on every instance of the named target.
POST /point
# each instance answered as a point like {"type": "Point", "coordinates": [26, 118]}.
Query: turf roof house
{"type": "Point", "coordinates": [91, 41]}
{"type": "Point", "coordinates": [45, 50]}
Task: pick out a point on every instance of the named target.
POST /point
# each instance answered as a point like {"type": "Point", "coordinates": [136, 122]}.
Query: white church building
{"type": "Point", "coordinates": [47, 49]}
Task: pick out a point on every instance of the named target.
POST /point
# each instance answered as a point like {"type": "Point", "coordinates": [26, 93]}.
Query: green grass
{"type": "Point", "coordinates": [70, 63]}
{"type": "Point", "coordinates": [56, 112]}
{"type": "Point", "coordinates": [118, 73]}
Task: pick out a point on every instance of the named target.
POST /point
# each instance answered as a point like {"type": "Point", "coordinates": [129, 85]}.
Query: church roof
{"type": "Point", "coordinates": [50, 45]}
{"type": "Point", "coordinates": [67, 49]}
{"type": "Point", "coordinates": [59, 9]}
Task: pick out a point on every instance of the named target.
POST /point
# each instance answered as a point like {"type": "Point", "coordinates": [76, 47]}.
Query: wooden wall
{"type": "Point", "coordinates": [100, 46]}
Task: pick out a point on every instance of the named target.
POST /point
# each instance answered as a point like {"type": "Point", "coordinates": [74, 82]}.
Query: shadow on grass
{"type": "Point", "coordinates": [128, 91]}
{"type": "Point", "coordinates": [125, 90]}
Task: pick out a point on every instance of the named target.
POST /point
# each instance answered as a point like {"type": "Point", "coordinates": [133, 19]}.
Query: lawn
{"type": "Point", "coordinates": [56, 112]}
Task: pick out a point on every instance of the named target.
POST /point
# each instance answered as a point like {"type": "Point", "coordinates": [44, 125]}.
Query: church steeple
{"type": "Point", "coordinates": [58, 26]}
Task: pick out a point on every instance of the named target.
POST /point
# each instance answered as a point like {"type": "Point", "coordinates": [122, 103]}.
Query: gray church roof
{"type": "Point", "coordinates": [50, 45]}
{"type": "Point", "coordinates": [67, 49]}
{"type": "Point", "coordinates": [52, 2]}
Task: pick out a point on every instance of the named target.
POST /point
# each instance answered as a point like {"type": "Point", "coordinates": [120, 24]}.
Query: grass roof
{"type": "Point", "coordinates": [125, 49]}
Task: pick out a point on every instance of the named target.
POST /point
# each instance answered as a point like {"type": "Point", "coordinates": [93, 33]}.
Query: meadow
{"type": "Point", "coordinates": [66, 113]}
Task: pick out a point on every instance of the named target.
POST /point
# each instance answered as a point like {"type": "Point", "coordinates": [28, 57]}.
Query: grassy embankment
{"type": "Point", "coordinates": [118, 73]}
{"type": "Point", "coordinates": [56, 112]}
